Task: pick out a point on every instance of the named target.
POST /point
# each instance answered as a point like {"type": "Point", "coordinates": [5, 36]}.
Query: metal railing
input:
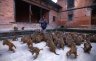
{"type": "Point", "coordinates": [19, 33]}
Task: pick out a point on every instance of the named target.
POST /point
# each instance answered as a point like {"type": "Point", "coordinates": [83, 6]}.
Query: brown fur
{"type": "Point", "coordinates": [77, 39]}
{"type": "Point", "coordinates": [58, 41]}
{"type": "Point", "coordinates": [51, 44]}
{"type": "Point", "coordinates": [29, 43]}
{"type": "Point", "coordinates": [28, 40]}
{"type": "Point", "coordinates": [73, 50]}
{"type": "Point", "coordinates": [93, 38]}
{"type": "Point", "coordinates": [69, 40]}
{"type": "Point", "coordinates": [15, 36]}
{"type": "Point", "coordinates": [34, 50]}
{"type": "Point", "coordinates": [15, 28]}
{"type": "Point", "coordinates": [24, 39]}
{"type": "Point", "coordinates": [55, 40]}
{"type": "Point", "coordinates": [87, 47]}
{"type": "Point", "coordinates": [38, 37]}
{"type": "Point", "coordinates": [9, 44]}
{"type": "Point", "coordinates": [61, 43]}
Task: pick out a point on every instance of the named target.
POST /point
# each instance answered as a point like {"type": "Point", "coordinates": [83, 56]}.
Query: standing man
{"type": "Point", "coordinates": [43, 23]}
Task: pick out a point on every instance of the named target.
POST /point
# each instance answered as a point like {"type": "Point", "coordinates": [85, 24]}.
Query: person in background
{"type": "Point", "coordinates": [43, 23]}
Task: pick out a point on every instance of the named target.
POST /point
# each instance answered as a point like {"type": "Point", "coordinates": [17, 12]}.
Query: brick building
{"type": "Point", "coordinates": [27, 13]}
{"type": "Point", "coordinates": [79, 17]}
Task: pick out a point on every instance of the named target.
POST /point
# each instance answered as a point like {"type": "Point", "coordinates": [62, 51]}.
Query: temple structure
{"type": "Point", "coordinates": [67, 13]}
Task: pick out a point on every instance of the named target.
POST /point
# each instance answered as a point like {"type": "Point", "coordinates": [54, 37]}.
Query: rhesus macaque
{"type": "Point", "coordinates": [73, 50]}
{"type": "Point", "coordinates": [15, 34]}
{"type": "Point", "coordinates": [38, 37]}
{"type": "Point", "coordinates": [34, 50]}
{"type": "Point", "coordinates": [15, 28]}
{"type": "Point", "coordinates": [69, 40]}
{"type": "Point", "coordinates": [24, 39]}
{"type": "Point", "coordinates": [87, 47]}
{"type": "Point", "coordinates": [50, 43]}
{"type": "Point", "coordinates": [93, 38]}
{"type": "Point", "coordinates": [15, 37]}
{"type": "Point", "coordinates": [22, 28]}
{"type": "Point", "coordinates": [58, 41]}
{"type": "Point", "coordinates": [28, 40]}
{"type": "Point", "coordinates": [9, 44]}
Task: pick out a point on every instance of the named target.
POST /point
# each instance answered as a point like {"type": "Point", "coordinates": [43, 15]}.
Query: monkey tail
{"type": "Point", "coordinates": [56, 53]}
{"type": "Point", "coordinates": [41, 49]}
{"type": "Point", "coordinates": [14, 46]}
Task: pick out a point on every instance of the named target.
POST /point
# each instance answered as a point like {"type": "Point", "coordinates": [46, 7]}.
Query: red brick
{"type": "Point", "coordinates": [6, 11]}
{"type": "Point", "coordinates": [80, 18]}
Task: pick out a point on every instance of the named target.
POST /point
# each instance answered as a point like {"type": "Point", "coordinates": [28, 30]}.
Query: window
{"type": "Point", "coordinates": [70, 3]}
{"type": "Point", "coordinates": [54, 18]}
{"type": "Point", "coordinates": [70, 12]}
{"type": "Point", "coordinates": [70, 17]}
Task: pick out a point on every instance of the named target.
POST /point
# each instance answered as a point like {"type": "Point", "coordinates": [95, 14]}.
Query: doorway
{"type": "Point", "coordinates": [26, 12]}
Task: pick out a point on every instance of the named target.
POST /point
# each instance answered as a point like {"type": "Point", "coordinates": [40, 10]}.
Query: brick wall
{"type": "Point", "coordinates": [81, 16]}
{"type": "Point", "coordinates": [52, 23]}
{"type": "Point", "coordinates": [6, 11]}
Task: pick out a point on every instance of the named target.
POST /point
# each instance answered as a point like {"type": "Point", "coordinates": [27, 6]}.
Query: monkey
{"type": "Point", "coordinates": [15, 28]}
{"type": "Point", "coordinates": [24, 39]}
{"type": "Point", "coordinates": [77, 39]}
{"type": "Point", "coordinates": [69, 40]}
{"type": "Point", "coordinates": [50, 43]}
{"type": "Point", "coordinates": [15, 37]}
{"type": "Point", "coordinates": [9, 44]}
{"type": "Point", "coordinates": [93, 38]}
{"type": "Point", "coordinates": [15, 34]}
{"type": "Point", "coordinates": [34, 50]}
{"type": "Point", "coordinates": [22, 28]}
{"type": "Point", "coordinates": [27, 40]}
{"type": "Point", "coordinates": [61, 43]}
{"type": "Point", "coordinates": [55, 40]}
{"type": "Point", "coordinates": [29, 43]}
{"type": "Point", "coordinates": [61, 40]}
{"type": "Point", "coordinates": [58, 41]}
{"type": "Point", "coordinates": [87, 47]}
{"type": "Point", "coordinates": [73, 50]}
{"type": "Point", "coordinates": [38, 37]}
{"type": "Point", "coordinates": [52, 47]}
